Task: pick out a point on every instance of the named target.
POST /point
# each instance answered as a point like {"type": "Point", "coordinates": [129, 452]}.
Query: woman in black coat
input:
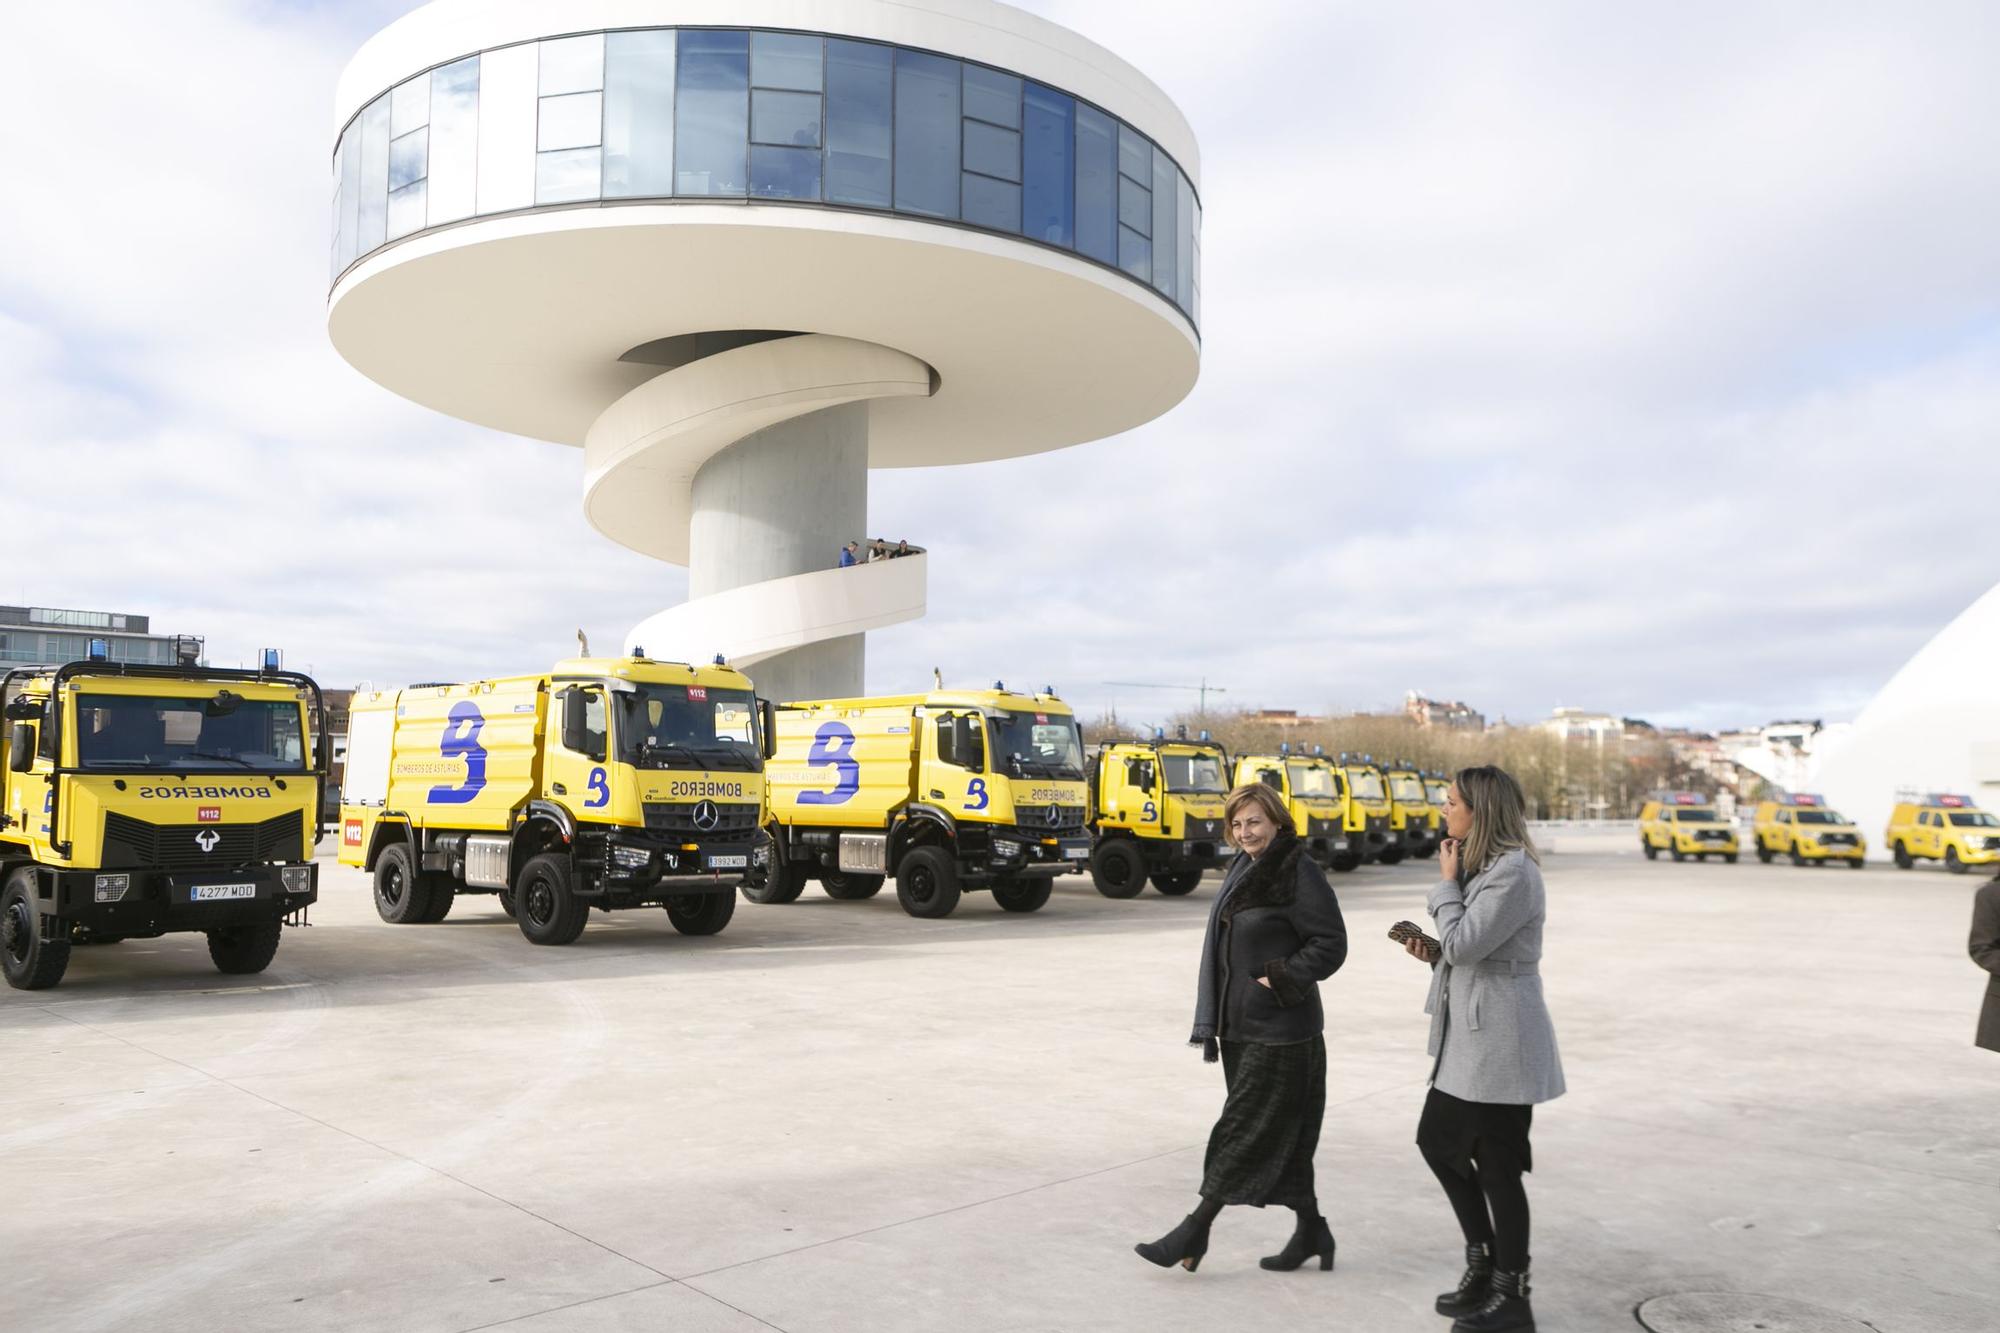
{"type": "Point", "coordinates": [1274, 933]}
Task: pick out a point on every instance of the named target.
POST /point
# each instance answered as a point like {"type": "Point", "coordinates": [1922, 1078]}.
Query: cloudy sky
{"type": "Point", "coordinates": [1643, 358]}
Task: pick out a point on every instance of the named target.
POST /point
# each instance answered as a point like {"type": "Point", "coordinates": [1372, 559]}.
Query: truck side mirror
{"type": "Point", "coordinates": [21, 747]}
{"type": "Point", "coordinates": [23, 709]}
{"type": "Point", "coordinates": [767, 713]}
{"type": "Point", "coordinates": [574, 735]}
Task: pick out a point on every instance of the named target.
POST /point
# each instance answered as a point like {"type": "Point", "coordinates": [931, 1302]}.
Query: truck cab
{"type": "Point", "coordinates": [949, 792]}
{"type": "Point", "coordinates": [1436, 787]}
{"type": "Point", "coordinates": [1804, 827]}
{"type": "Point", "coordinates": [1685, 824]}
{"type": "Point", "coordinates": [1409, 811]}
{"type": "Point", "coordinates": [1312, 791]}
{"type": "Point", "coordinates": [1942, 826]}
{"type": "Point", "coordinates": [606, 783]}
{"type": "Point", "coordinates": [1157, 814]}
{"type": "Point", "coordinates": [1370, 814]}
{"type": "Point", "coordinates": [143, 800]}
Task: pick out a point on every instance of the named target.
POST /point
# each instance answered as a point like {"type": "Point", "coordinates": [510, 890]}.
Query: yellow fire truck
{"type": "Point", "coordinates": [1409, 811]}
{"type": "Point", "coordinates": [1436, 787]}
{"type": "Point", "coordinates": [141, 800]}
{"type": "Point", "coordinates": [606, 782]}
{"type": "Point", "coordinates": [1157, 813]}
{"type": "Point", "coordinates": [1313, 791]}
{"type": "Point", "coordinates": [1803, 826]}
{"type": "Point", "coordinates": [1368, 812]}
{"type": "Point", "coordinates": [950, 791]}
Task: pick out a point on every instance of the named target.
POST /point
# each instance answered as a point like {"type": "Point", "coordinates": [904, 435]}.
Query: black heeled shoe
{"type": "Point", "coordinates": [1474, 1287]}
{"type": "Point", "coordinates": [1184, 1245]}
{"type": "Point", "coordinates": [1306, 1241]}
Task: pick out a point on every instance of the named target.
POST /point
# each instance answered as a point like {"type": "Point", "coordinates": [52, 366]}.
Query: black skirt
{"type": "Point", "coordinates": [1261, 1149]}
{"type": "Point", "coordinates": [1454, 1132]}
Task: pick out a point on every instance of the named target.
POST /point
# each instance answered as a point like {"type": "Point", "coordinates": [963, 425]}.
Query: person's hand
{"type": "Point", "coordinates": [1265, 982]}
{"type": "Point", "coordinates": [1420, 951]}
{"type": "Point", "coordinates": [1448, 858]}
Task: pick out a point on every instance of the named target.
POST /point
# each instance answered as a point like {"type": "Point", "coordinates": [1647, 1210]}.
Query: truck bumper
{"type": "Point", "coordinates": [1040, 854]}
{"type": "Point", "coordinates": [646, 868]}
{"type": "Point", "coordinates": [156, 903]}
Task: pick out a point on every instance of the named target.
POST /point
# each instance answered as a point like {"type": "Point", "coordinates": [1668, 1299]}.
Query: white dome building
{"type": "Point", "coordinates": [738, 252]}
{"type": "Point", "coordinates": [1934, 727]}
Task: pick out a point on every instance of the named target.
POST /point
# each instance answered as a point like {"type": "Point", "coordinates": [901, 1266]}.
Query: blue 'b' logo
{"type": "Point", "coordinates": [461, 741]}
{"type": "Point", "coordinates": [975, 795]}
{"type": "Point", "coordinates": [834, 744]}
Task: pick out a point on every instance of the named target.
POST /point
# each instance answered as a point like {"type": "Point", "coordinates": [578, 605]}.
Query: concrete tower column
{"type": "Point", "coordinates": [779, 502]}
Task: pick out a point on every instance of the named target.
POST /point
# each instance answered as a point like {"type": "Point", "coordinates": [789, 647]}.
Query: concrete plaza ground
{"type": "Point", "coordinates": [834, 1117]}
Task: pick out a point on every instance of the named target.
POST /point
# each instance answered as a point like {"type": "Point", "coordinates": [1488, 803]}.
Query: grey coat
{"type": "Point", "coordinates": [1490, 1031]}
{"type": "Point", "coordinates": [1985, 948]}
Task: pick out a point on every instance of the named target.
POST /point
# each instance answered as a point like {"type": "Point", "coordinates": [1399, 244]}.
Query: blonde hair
{"type": "Point", "coordinates": [1499, 819]}
{"type": "Point", "coordinates": [1264, 798]}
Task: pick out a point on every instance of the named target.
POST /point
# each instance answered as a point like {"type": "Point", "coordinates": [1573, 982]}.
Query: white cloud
{"type": "Point", "coordinates": [1554, 353]}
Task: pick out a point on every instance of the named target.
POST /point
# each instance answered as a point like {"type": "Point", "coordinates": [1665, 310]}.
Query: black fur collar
{"type": "Point", "coordinates": [1272, 879]}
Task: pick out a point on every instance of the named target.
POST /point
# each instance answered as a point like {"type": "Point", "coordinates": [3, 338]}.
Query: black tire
{"type": "Point", "coordinates": [1729, 858]}
{"type": "Point", "coordinates": [783, 882]}
{"type": "Point", "coordinates": [1859, 863]}
{"type": "Point", "coordinates": [1392, 856]}
{"type": "Point", "coordinates": [927, 883]}
{"type": "Point", "coordinates": [242, 951]}
{"type": "Point", "coordinates": [1903, 858]}
{"type": "Point", "coordinates": [1428, 850]}
{"type": "Point", "coordinates": [506, 897]}
{"type": "Point", "coordinates": [545, 898]}
{"type": "Point", "coordinates": [1177, 884]}
{"type": "Point", "coordinates": [850, 887]}
{"type": "Point", "coordinates": [402, 896]}
{"type": "Point", "coordinates": [1117, 869]}
{"type": "Point", "coordinates": [1652, 852]}
{"type": "Point", "coordinates": [31, 959]}
{"type": "Point", "coordinates": [700, 913]}
{"type": "Point", "coordinates": [1344, 863]}
{"type": "Point", "coordinates": [442, 891]}
{"type": "Point", "coordinates": [1798, 858]}
{"type": "Point", "coordinates": [1954, 862]}
{"type": "Point", "coordinates": [1765, 854]}
{"type": "Point", "coordinates": [1677, 853]}
{"type": "Point", "coordinates": [1028, 893]}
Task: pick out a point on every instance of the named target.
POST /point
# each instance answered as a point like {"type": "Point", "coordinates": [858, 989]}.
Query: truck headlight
{"type": "Point", "coordinates": [111, 888]}
{"type": "Point", "coordinates": [760, 855]}
{"type": "Point", "coordinates": [296, 879]}
{"type": "Point", "coordinates": [631, 858]}
{"type": "Point", "coordinates": [1006, 848]}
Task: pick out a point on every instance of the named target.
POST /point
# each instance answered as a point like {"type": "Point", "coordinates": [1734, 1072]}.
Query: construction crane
{"type": "Point", "coordinates": [1203, 690]}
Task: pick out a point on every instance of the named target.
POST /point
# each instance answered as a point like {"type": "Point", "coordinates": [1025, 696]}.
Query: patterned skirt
{"type": "Point", "coordinates": [1261, 1149]}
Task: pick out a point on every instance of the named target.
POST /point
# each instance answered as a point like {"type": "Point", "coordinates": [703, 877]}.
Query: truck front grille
{"type": "Point", "coordinates": [730, 817]}
{"type": "Point", "coordinates": [1049, 816]}
{"type": "Point", "coordinates": [136, 844]}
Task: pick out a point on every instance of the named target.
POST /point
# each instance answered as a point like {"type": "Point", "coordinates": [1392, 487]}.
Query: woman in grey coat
{"type": "Point", "coordinates": [1492, 1045]}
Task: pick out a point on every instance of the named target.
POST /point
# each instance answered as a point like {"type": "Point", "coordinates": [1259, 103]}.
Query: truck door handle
{"type": "Point", "coordinates": [559, 789]}
{"type": "Point", "coordinates": [936, 795]}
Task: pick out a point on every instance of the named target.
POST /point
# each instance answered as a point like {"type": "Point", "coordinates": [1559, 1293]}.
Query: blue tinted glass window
{"type": "Point", "coordinates": [992, 152]}
{"type": "Point", "coordinates": [858, 99]}
{"type": "Point", "coordinates": [784, 173]}
{"type": "Point", "coordinates": [926, 134]}
{"type": "Point", "coordinates": [712, 113]}
{"type": "Point", "coordinates": [374, 218]}
{"type": "Point", "coordinates": [1184, 243]}
{"type": "Point", "coordinates": [991, 95]}
{"type": "Point", "coordinates": [1163, 223]}
{"type": "Point", "coordinates": [407, 158]}
{"type": "Point", "coordinates": [639, 114]}
{"type": "Point", "coordinates": [785, 60]}
{"type": "Point", "coordinates": [791, 119]}
{"type": "Point", "coordinates": [1096, 184]}
{"type": "Point", "coordinates": [1135, 155]}
{"type": "Point", "coordinates": [1135, 253]}
{"type": "Point", "coordinates": [992, 203]}
{"type": "Point", "coordinates": [1048, 167]}
{"type": "Point", "coordinates": [1135, 206]}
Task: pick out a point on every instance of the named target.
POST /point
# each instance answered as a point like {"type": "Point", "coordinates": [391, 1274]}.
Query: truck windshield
{"type": "Point", "coordinates": [1408, 790]}
{"type": "Point", "coordinates": [1364, 785]}
{"type": "Point", "coordinates": [1973, 819]}
{"type": "Point", "coordinates": [1816, 817]}
{"type": "Point", "coordinates": [1436, 791]}
{"type": "Point", "coordinates": [1193, 772]}
{"type": "Point", "coordinates": [1310, 780]}
{"type": "Point", "coordinates": [222, 732]}
{"type": "Point", "coordinates": [1697, 816]}
{"type": "Point", "coordinates": [687, 726]}
{"type": "Point", "coordinates": [1044, 745]}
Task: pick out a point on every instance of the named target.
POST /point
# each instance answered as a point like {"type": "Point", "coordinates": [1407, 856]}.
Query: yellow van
{"type": "Point", "coordinates": [1804, 827]}
{"type": "Point", "coordinates": [1684, 824]}
{"type": "Point", "coordinates": [1942, 827]}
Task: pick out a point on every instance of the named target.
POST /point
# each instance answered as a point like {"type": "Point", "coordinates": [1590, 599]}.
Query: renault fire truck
{"type": "Point", "coordinates": [1157, 814]}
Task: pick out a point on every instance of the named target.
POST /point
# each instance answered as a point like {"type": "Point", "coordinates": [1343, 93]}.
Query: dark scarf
{"type": "Point", "coordinates": [1272, 880]}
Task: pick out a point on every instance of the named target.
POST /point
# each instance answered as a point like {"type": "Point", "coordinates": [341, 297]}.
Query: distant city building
{"type": "Point", "coordinates": [30, 635]}
{"type": "Point", "coordinates": [1447, 713]}
{"type": "Point", "coordinates": [1282, 717]}
{"type": "Point", "coordinates": [1577, 724]}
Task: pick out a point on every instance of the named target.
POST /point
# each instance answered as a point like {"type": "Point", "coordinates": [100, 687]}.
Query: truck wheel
{"type": "Point", "coordinates": [1027, 893]}
{"type": "Point", "coordinates": [31, 959]}
{"type": "Point", "coordinates": [1346, 862]}
{"type": "Point", "coordinates": [506, 897]}
{"type": "Point", "coordinates": [1677, 853]}
{"type": "Point", "coordinates": [848, 886]}
{"type": "Point", "coordinates": [1729, 857]}
{"type": "Point", "coordinates": [1797, 858]}
{"type": "Point", "coordinates": [785, 882]}
{"type": "Point", "coordinates": [402, 896]}
{"type": "Point", "coordinates": [1903, 858]}
{"type": "Point", "coordinates": [701, 913]}
{"type": "Point", "coordinates": [1391, 856]}
{"type": "Point", "coordinates": [1954, 862]}
{"type": "Point", "coordinates": [442, 891]}
{"type": "Point", "coordinates": [545, 897]}
{"type": "Point", "coordinates": [243, 950]}
{"type": "Point", "coordinates": [1117, 869]}
{"type": "Point", "coordinates": [1765, 854]}
{"type": "Point", "coordinates": [1176, 885]}
{"type": "Point", "coordinates": [1652, 852]}
{"type": "Point", "coordinates": [927, 883]}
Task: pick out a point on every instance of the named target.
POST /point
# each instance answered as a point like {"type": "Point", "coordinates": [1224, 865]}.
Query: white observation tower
{"type": "Point", "coordinates": [739, 252]}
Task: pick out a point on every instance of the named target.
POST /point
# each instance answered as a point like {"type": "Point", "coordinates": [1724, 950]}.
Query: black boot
{"type": "Point", "coordinates": [1184, 1245]}
{"type": "Point", "coordinates": [1474, 1287]}
{"type": "Point", "coordinates": [1309, 1237]}
{"type": "Point", "coordinates": [1506, 1309]}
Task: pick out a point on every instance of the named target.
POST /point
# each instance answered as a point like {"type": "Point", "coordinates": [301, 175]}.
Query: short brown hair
{"type": "Point", "coordinates": [1262, 796]}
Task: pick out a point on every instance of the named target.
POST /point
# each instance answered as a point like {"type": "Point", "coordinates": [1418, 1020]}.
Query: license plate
{"type": "Point", "coordinates": [208, 893]}
{"type": "Point", "coordinates": [728, 862]}
{"type": "Point", "coordinates": [1076, 853]}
